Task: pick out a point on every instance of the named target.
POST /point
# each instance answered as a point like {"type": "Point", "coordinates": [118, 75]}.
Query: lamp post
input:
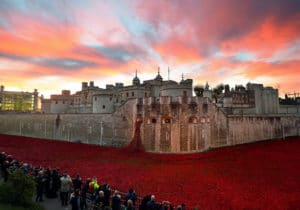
{"type": "Point", "coordinates": [101, 133]}
{"type": "Point", "coordinates": [20, 128]}
{"type": "Point", "coordinates": [45, 128]}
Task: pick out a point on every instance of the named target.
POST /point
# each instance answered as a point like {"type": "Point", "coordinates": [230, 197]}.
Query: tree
{"type": "Point", "coordinates": [18, 190]}
{"type": "Point", "coordinates": [198, 89]}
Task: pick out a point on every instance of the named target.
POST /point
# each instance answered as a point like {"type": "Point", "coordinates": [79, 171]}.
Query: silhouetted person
{"type": "Point", "coordinates": [77, 182]}
{"type": "Point", "coordinates": [40, 182]}
{"type": "Point", "coordinates": [76, 200]}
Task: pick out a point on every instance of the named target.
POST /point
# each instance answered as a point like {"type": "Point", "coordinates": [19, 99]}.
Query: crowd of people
{"type": "Point", "coordinates": [80, 194]}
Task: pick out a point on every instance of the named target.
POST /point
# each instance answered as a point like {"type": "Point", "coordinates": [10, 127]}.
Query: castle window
{"type": "Point", "coordinates": [63, 102]}
{"type": "Point", "coordinates": [184, 93]}
{"type": "Point", "coordinates": [166, 121]}
{"type": "Point", "coordinates": [95, 98]}
{"type": "Point", "coordinates": [127, 94]}
{"type": "Point", "coordinates": [103, 107]}
{"type": "Point", "coordinates": [151, 120]}
{"type": "Point", "coordinates": [205, 108]}
{"type": "Point", "coordinates": [146, 95]}
{"type": "Point", "coordinates": [56, 102]}
{"type": "Point", "coordinates": [132, 93]}
{"type": "Point", "coordinates": [110, 98]}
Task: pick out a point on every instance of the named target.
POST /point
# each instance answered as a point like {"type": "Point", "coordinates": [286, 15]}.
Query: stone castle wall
{"type": "Point", "coordinates": [246, 129]}
{"type": "Point", "coordinates": [170, 125]}
{"type": "Point", "coordinates": [195, 124]}
{"type": "Point", "coordinates": [105, 129]}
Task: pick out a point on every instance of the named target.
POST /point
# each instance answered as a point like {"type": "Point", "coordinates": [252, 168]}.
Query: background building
{"type": "Point", "coordinates": [18, 101]}
{"type": "Point", "coordinates": [92, 99]}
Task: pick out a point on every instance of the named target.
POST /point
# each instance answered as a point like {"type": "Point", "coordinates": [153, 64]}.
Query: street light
{"type": "Point", "coordinates": [101, 133]}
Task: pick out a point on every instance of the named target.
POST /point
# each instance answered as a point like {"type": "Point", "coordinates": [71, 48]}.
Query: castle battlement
{"type": "Point", "coordinates": [170, 100]}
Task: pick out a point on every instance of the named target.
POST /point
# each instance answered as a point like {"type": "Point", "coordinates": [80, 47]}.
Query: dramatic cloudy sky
{"type": "Point", "coordinates": [54, 45]}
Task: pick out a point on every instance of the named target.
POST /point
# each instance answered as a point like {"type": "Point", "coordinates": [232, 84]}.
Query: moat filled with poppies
{"type": "Point", "coordinates": [264, 175]}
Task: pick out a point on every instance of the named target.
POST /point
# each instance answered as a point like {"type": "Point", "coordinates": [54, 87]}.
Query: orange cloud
{"type": "Point", "coordinates": [266, 39]}
{"type": "Point", "coordinates": [34, 38]}
{"type": "Point", "coordinates": [177, 50]}
{"type": "Point", "coordinates": [277, 70]}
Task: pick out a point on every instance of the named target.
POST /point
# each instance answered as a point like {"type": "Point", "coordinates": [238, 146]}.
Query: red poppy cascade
{"type": "Point", "coordinates": [136, 142]}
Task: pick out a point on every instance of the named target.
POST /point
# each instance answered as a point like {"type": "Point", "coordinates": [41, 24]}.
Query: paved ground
{"type": "Point", "coordinates": [53, 204]}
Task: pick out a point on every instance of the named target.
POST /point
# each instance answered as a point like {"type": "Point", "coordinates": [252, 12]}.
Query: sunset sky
{"type": "Point", "coordinates": [55, 45]}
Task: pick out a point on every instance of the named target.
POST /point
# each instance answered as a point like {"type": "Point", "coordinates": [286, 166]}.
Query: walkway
{"type": "Point", "coordinates": [53, 204]}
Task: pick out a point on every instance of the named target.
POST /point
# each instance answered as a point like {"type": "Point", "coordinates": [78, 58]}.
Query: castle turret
{"type": "Point", "coordinates": [207, 92]}
{"type": "Point", "coordinates": [158, 77]}
{"type": "Point", "coordinates": [84, 85]}
{"type": "Point", "coordinates": [91, 83]}
{"type": "Point", "coordinates": [136, 80]}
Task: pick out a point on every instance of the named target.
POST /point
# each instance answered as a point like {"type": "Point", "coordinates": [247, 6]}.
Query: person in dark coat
{"type": "Point", "coordinates": [76, 201]}
{"type": "Point", "coordinates": [40, 184]}
{"type": "Point", "coordinates": [130, 195]}
{"type": "Point", "coordinates": [129, 205]}
{"type": "Point", "coordinates": [152, 204]}
{"type": "Point", "coordinates": [144, 202]}
{"type": "Point", "coordinates": [55, 183]}
{"type": "Point", "coordinates": [77, 182]}
{"type": "Point", "coordinates": [48, 182]}
{"type": "Point", "coordinates": [84, 192]}
{"type": "Point", "coordinates": [116, 201]}
{"type": "Point", "coordinates": [106, 189]}
{"type": "Point", "coordinates": [100, 199]}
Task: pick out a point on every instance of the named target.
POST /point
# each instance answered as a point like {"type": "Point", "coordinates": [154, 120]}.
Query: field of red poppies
{"type": "Point", "coordinates": [264, 175]}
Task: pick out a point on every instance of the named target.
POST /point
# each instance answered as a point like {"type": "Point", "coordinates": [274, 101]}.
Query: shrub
{"type": "Point", "coordinates": [18, 190]}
